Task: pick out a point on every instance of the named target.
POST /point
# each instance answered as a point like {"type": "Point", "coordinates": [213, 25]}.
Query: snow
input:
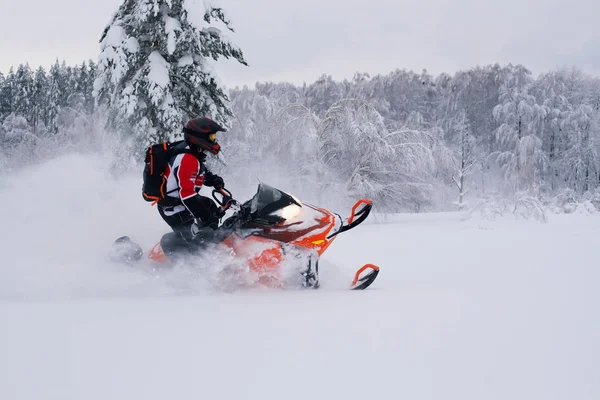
{"type": "Point", "coordinates": [458, 312]}
{"type": "Point", "coordinates": [172, 25]}
{"type": "Point", "coordinates": [213, 30]}
{"type": "Point", "coordinates": [195, 12]}
{"type": "Point", "coordinates": [185, 60]}
{"type": "Point", "coordinates": [131, 45]}
{"type": "Point", "coordinates": [208, 67]}
{"type": "Point", "coordinates": [112, 54]}
{"type": "Point", "coordinates": [159, 70]}
{"type": "Point", "coordinates": [168, 102]}
{"type": "Point", "coordinates": [129, 100]}
{"type": "Point", "coordinates": [98, 84]}
{"type": "Point", "coordinates": [115, 36]}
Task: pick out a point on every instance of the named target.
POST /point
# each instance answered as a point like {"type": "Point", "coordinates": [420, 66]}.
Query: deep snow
{"type": "Point", "coordinates": [470, 309]}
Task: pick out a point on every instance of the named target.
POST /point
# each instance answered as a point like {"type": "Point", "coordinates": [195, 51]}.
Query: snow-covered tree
{"type": "Point", "coordinates": [520, 154]}
{"type": "Point", "coordinates": [322, 94]}
{"type": "Point", "coordinates": [365, 159]}
{"type": "Point", "coordinates": [22, 95]}
{"type": "Point", "coordinates": [55, 94]}
{"type": "Point", "coordinates": [580, 162]}
{"type": "Point", "coordinates": [475, 91]}
{"type": "Point", "coordinates": [39, 101]}
{"type": "Point", "coordinates": [154, 69]}
{"type": "Point", "coordinates": [7, 94]}
{"type": "Point", "coordinates": [18, 140]}
{"type": "Point", "coordinates": [2, 95]}
{"type": "Point", "coordinates": [465, 156]}
{"type": "Point", "coordinates": [85, 85]}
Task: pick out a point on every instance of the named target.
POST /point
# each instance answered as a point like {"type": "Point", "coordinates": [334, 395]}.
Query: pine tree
{"type": "Point", "coordinates": [7, 94]}
{"type": "Point", "coordinates": [85, 85]}
{"type": "Point", "coordinates": [74, 97]}
{"type": "Point", "coordinates": [2, 89]}
{"type": "Point", "coordinates": [54, 97]}
{"type": "Point", "coordinates": [153, 70]}
{"type": "Point", "coordinates": [39, 103]}
{"type": "Point", "coordinates": [23, 91]}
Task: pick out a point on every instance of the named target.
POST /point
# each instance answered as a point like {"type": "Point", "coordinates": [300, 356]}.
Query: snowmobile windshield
{"type": "Point", "coordinates": [271, 206]}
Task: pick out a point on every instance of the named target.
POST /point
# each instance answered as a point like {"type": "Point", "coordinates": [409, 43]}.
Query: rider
{"type": "Point", "coordinates": [189, 214]}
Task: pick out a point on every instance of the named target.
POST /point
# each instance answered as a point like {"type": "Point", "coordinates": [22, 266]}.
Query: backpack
{"type": "Point", "coordinates": [156, 161]}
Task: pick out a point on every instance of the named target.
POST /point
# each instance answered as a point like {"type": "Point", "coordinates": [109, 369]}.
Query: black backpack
{"type": "Point", "coordinates": [157, 158]}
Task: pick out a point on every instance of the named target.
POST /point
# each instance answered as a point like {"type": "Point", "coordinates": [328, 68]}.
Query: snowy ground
{"type": "Point", "coordinates": [461, 310]}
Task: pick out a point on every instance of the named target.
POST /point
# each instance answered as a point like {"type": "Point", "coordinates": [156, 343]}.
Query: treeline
{"type": "Point", "coordinates": [44, 98]}
{"type": "Point", "coordinates": [408, 140]}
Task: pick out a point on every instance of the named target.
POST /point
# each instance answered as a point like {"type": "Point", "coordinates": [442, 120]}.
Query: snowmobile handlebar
{"type": "Point", "coordinates": [226, 200]}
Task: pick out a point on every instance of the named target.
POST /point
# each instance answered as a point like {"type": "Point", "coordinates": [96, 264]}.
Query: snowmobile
{"type": "Point", "coordinates": [267, 231]}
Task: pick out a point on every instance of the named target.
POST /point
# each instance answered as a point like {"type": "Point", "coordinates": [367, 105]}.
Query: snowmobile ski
{"type": "Point", "coordinates": [364, 281]}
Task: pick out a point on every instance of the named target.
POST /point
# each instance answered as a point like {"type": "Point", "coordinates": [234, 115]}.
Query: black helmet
{"type": "Point", "coordinates": [201, 132]}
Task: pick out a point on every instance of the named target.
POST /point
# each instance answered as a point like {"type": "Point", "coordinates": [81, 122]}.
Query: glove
{"type": "Point", "coordinates": [215, 181]}
{"type": "Point", "coordinates": [218, 183]}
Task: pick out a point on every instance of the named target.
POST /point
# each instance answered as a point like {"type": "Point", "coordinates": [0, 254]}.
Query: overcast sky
{"type": "Point", "coordinates": [299, 40]}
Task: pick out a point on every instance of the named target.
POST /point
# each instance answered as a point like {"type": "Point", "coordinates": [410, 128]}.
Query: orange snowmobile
{"type": "Point", "coordinates": [269, 229]}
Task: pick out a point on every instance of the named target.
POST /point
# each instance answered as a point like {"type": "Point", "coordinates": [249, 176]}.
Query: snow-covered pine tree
{"type": "Point", "coordinates": [153, 69]}
{"type": "Point", "coordinates": [23, 91]}
{"type": "Point", "coordinates": [85, 85]}
{"type": "Point", "coordinates": [7, 94]}
{"type": "Point", "coordinates": [39, 101]}
{"type": "Point", "coordinates": [55, 92]}
{"type": "Point", "coordinates": [74, 97]}
{"type": "Point", "coordinates": [3, 86]}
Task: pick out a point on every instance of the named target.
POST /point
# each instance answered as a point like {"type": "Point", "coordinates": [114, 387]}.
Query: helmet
{"type": "Point", "coordinates": [201, 133]}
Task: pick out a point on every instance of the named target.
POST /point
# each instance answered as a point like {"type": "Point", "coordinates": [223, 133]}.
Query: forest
{"type": "Point", "coordinates": [408, 140]}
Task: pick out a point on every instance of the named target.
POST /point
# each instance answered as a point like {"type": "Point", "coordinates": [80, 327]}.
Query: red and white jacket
{"type": "Point", "coordinates": [186, 174]}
